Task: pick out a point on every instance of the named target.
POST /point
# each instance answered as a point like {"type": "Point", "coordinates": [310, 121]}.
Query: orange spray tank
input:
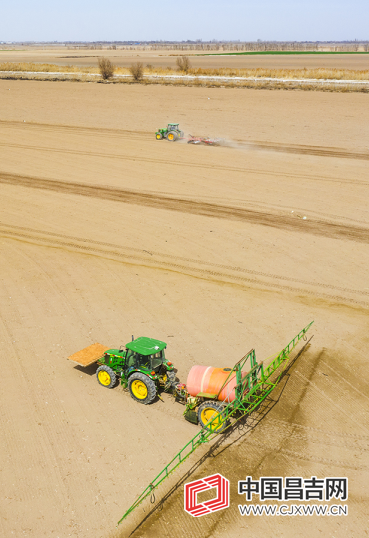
{"type": "Point", "coordinates": [209, 380]}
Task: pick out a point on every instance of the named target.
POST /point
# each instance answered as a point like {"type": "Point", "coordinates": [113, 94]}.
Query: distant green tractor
{"type": "Point", "coordinates": [171, 133]}
{"type": "Point", "coordinates": [141, 366]}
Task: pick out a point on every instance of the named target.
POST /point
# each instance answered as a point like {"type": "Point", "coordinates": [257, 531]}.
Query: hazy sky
{"type": "Point", "coordinates": [110, 20]}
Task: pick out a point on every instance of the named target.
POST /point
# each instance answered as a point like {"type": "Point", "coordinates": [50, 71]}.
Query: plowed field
{"type": "Point", "coordinates": [106, 232]}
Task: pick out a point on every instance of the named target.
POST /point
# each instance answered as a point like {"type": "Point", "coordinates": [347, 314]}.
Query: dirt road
{"type": "Point", "coordinates": [106, 232]}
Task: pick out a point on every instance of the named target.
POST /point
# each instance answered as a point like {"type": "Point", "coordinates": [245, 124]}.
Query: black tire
{"type": "Point", "coordinates": [212, 409]}
{"type": "Point", "coordinates": [135, 385]}
{"type": "Point", "coordinates": [182, 134]}
{"type": "Point", "coordinates": [173, 136]}
{"type": "Point", "coordinates": [159, 136]}
{"type": "Point", "coordinates": [106, 377]}
{"type": "Point", "coordinates": [170, 384]}
{"type": "Point", "coordinates": [171, 377]}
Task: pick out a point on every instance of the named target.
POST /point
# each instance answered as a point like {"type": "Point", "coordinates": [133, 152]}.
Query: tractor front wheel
{"type": "Point", "coordinates": [142, 388]}
{"type": "Point", "coordinates": [208, 411]}
{"type": "Point", "coordinates": [159, 136]}
{"type": "Point", "coordinates": [106, 376]}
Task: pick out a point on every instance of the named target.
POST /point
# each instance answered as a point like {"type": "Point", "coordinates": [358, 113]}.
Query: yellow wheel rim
{"type": "Point", "coordinates": [104, 378]}
{"type": "Point", "coordinates": [158, 136]}
{"type": "Point", "coordinates": [170, 136]}
{"type": "Point", "coordinates": [208, 414]}
{"type": "Point", "coordinates": [139, 389]}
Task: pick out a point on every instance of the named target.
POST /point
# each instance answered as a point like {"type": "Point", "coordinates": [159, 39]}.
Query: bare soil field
{"type": "Point", "coordinates": [167, 58]}
{"type": "Point", "coordinates": [106, 232]}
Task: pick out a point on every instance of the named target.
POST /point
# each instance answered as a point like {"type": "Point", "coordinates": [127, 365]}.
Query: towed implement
{"type": "Point", "coordinates": [226, 395]}
{"type": "Point", "coordinates": [205, 141]}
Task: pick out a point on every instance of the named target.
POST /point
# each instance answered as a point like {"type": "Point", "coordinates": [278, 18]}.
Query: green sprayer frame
{"type": "Point", "coordinates": [251, 389]}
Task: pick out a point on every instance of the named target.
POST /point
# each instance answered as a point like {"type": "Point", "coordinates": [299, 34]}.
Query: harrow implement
{"type": "Point", "coordinates": [205, 141]}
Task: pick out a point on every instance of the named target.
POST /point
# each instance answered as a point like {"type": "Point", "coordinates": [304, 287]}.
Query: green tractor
{"type": "Point", "coordinates": [171, 133]}
{"type": "Point", "coordinates": [141, 366]}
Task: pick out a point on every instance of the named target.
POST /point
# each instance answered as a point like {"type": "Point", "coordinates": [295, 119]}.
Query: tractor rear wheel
{"type": "Point", "coordinates": [172, 136]}
{"type": "Point", "coordinates": [171, 377]}
{"type": "Point", "coordinates": [207, 411]}
{"type": "Point", "coordinates": [142, 388]}
{"type": "Point", "coordinates": [106, 376]}
{"type": "Point", "coordinates": [159, 136]}
{"type": "Point", "coordinates": [170, 382]}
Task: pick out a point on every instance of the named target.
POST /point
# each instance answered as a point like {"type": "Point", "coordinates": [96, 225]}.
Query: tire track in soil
{"type": "Point", "coordinates": [122, 133]}
{"type": "Point", "coordinates": [47, 438]}
{"type": "Point", "coordinates": [105, 131]}
{"type": "Point", "coordinates": [54, 430]}
{"type": "Point", "coordinates": [308, 457]}
{"type": "Point", "coordinates": [187, 164]}
{"type": "Point", "coordinates": [280, 429]}
{"type": "Point", "coordinates": [359, 407]}
{"type": "Point", "coordinates": [310, 150]}
{"type": "Point", "coordinates": [205, 209]}
{"type": "Point", "coordinates": [327, 433]}
{"type": "Point", "coordinates": [181, 258]}
{"type": "Point", "coordinates": [343, 380]}
{"type": "Point", "coordinates": [193, 267]}
{"type": "Point", "coordinates": [340, 402]}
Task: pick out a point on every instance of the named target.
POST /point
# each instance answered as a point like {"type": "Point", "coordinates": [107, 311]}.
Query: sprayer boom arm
{"type": "Point", "coordinates": [258, 383]}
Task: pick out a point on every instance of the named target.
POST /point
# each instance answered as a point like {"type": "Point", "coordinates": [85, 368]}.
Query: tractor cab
{"type": "Point", "coordinates": [173, 126]}
{"type": "Point", "coordinates": [146, 353]}
{"type": "Point", "coordinates": [146, 369]}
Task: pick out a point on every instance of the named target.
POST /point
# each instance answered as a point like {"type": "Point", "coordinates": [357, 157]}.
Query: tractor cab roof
{"type": "Point", "coordinates": [146, 346]}
{"type": "Point", "coordinates": [173, 124]}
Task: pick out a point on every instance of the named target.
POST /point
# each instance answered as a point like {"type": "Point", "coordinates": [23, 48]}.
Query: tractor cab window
{"type": "Point", "coordinates": [150, 362]}
{"type": "Point", "coordinates": [131, 359]}
{"type": "Point", "coordinates": [157, 359]}
{"type": "Point", "coordinates": [135, 360]}
{"type": "Point", "coordinates": [172, 127]}
{"type": "Point", "coordinates": [143, 361]}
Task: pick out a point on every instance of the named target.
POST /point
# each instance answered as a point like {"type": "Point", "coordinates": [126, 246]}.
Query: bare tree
{"type": "Point", "coordinates": [106, 68]}
{"type": "Point", "coordinates": [136, 71]}
{"type": "Point", "coordinates": [183, 64]}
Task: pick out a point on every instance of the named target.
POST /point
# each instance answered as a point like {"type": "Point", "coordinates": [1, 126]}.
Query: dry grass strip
{"type": "Point", "coordinates": [24, 71]}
